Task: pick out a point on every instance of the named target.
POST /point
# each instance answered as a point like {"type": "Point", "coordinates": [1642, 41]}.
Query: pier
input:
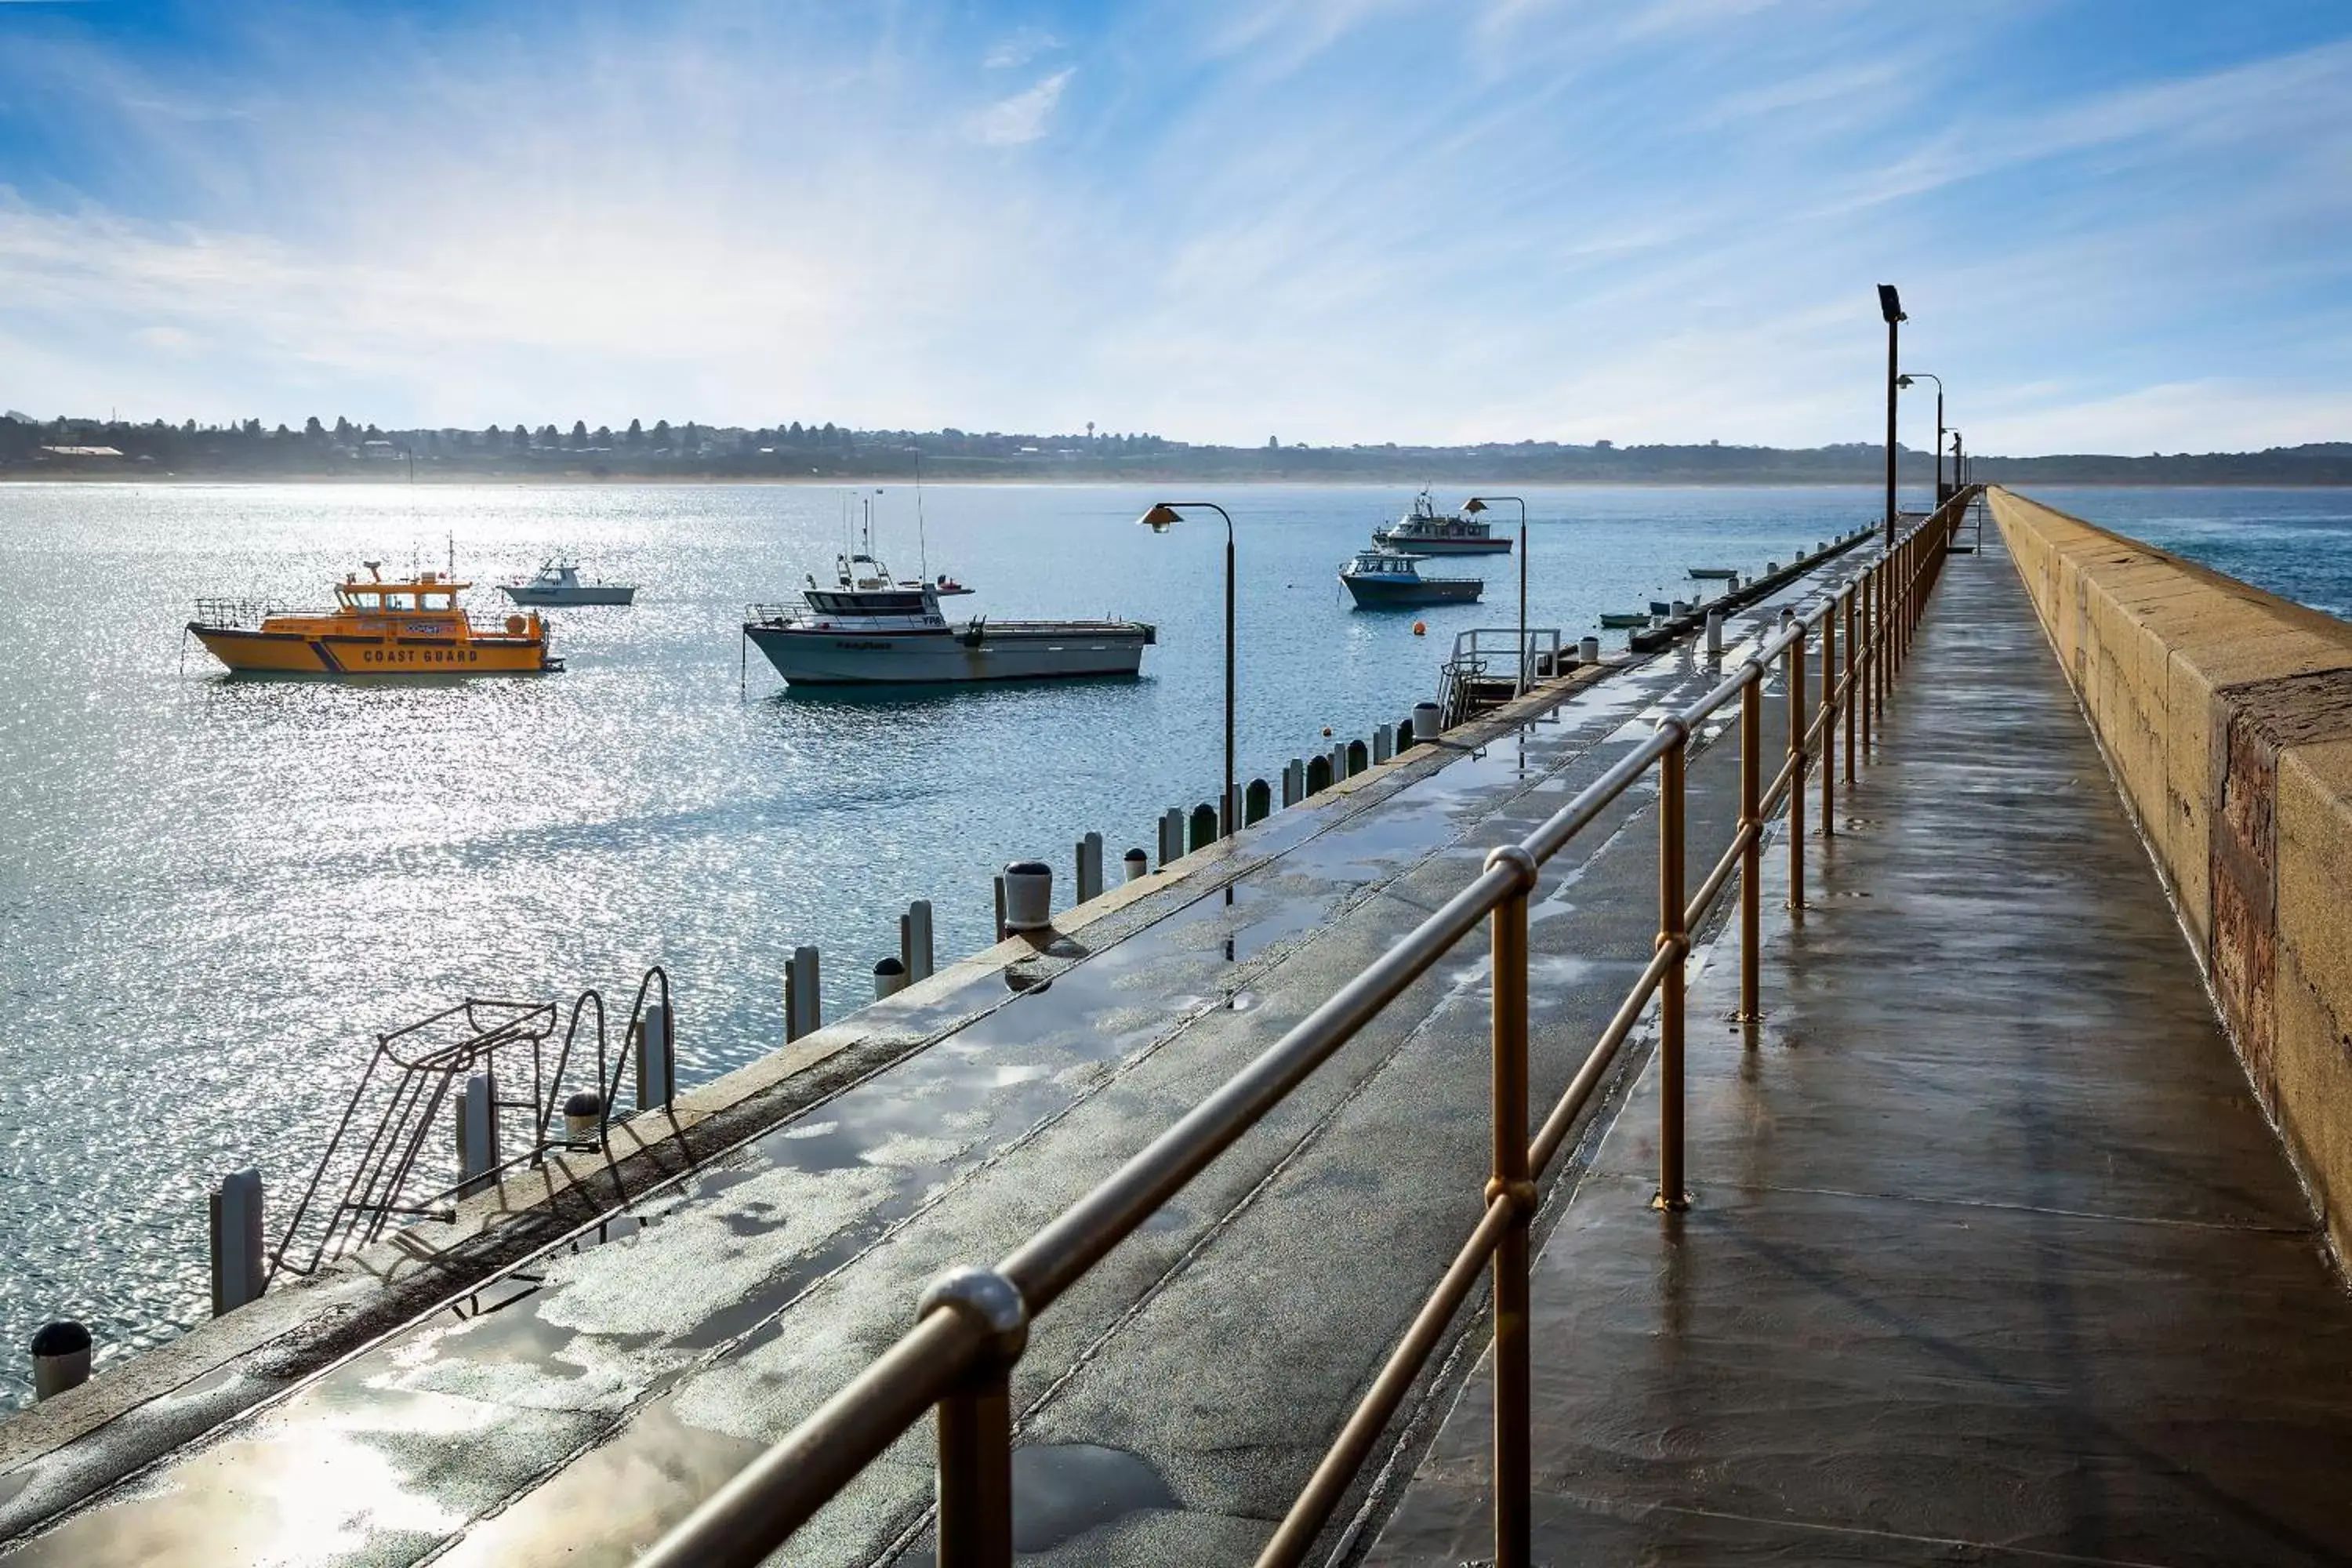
{"type": "Point", "coordinates": [1928, 1209]}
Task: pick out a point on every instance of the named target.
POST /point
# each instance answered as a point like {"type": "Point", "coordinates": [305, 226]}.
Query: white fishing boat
{"type": "Point", "coordinates": [873, 629]}
{"type": "Point", "coordinates": [1425, 530]}
{"type": "Point", "coordinates": [558, 583]}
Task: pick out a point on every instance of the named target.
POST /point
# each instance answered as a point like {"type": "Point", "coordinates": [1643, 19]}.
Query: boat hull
{"type": "Point", "coordinates": [807, 656]}
{"type": "Point", "coordinates": [1373, 595]}
{"type": "Point", "coordinates": [598, 595]}
{"type": "Point", "coordinates": [250, 652]}
{"type": "Point", "coordinates": [1418, 544]}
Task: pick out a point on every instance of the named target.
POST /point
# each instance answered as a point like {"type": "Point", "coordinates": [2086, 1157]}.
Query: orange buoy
{"type": "Point", "coordinates": [1421, 628]}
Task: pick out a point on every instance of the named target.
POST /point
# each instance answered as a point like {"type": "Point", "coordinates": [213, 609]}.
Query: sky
{"type": "Point", "coordinates": [2118, 226]}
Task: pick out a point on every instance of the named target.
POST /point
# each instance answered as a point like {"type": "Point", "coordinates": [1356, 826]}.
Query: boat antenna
{"type": "Point", "coordinates": [922, 546]}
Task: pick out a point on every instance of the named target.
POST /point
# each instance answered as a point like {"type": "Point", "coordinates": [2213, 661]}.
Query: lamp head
{"type": "Point", "coordinates": [1890, 304]}
{"type": "Point", "coordinates": [1904, 382]}
{"type": "Point", "coordinates": [1160, 518]}
{"type": "Point", "coordinates": [1474, 505]}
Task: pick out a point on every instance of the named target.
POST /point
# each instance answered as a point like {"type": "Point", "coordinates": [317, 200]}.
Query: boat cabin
{"type": "Point", "coordinates": [864, 587]}
{"type": "Point", "coordinates": [1383, 564]}
{"type": "Point", "coordinates": [430, 593]}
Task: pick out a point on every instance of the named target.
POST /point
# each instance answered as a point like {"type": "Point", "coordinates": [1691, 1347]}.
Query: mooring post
{"type": "Point", "coordinates": [1384, 743]}
{"type": "Point", "coordinates": [1588, 651]}
{"type": "Point", "coordinates": [60, 1358]}
{"type": "Point", "coordinates": [1172, 835]}
{"type": "Point", "coordinates": [804, 1003]}
{"type": "Point", "coordinates": [915, 941]}
{"type": "Point", "coordinates": [890, 978]}
{"type": "Point", "coordinates": [1090, 866]}
{"type": "Point", "coordinates": [1715, 633]}
{"type": "Point", "coordinates": [477, 1133]}
{"type": "Point", "coordinates": [1028, 896]}
{"type": "Point", "coordinates": [1428, 720]}
{"type": "Point", "coordinates": [240, 1263]}
{"type": "Point", "coordinates": [1138, 865]}
{"type": "Point", "coordinates": [656, 1059]}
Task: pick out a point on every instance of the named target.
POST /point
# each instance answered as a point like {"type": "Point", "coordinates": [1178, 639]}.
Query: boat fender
{"type": "Point", "coordinates": [514, 626]}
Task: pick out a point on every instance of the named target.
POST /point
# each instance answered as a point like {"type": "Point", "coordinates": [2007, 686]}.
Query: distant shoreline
{"type": "Point", "coordinates": [565, 481]}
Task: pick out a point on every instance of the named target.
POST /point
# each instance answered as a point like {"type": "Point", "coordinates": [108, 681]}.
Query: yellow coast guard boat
{"type": "Point", "coordinates": [411, 628]}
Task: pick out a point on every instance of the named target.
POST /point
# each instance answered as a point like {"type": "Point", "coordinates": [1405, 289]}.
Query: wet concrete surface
{"type": "Point", "coordinates": [1173, 1402]}
{"type": "Point", "coordinates": [1992, 1258]}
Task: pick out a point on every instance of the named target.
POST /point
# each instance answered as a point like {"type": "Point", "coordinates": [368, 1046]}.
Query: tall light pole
{"type": "Point", "coordinates": [1479, 503]}
{"type": "Point", "coordinates": [1890, 305]}
{"type": "Point", "coordinates": [1163, 516]}
{"type": "Point", "coordinates": [1906, 380]}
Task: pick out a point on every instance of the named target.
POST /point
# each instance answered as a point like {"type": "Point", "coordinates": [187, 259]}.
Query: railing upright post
{"type": "Point", "coordinates": [1846, 697]}
{"type": "Point", "coordinates": [1751, 857]}
{"type": "Point", "coordinates": [1798, 756]}
{"type": "Point", "coordinates": [976, 1472]}
{"type": "Point", "coordinates": [1514, 1470]}
{"type": "Point", "coordinates": [1672, 936]}
{"type": "Point", "coordinates": [1829, 722]}
{"type": "Point", "coordinates": [1873, 590]}
{"type": "Point", "coordinates": [975, 1424]}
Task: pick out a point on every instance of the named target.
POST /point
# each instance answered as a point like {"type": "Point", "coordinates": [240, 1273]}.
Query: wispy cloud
{"type": "Point", "coordinates": [1010, 121]}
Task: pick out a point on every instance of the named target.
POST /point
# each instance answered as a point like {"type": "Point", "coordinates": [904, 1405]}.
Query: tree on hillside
{"type": "Point", "coordinates": [636, 435]}
{"type": "Point", "coordinates": [312, 429]}
{"type": "Point", "coordinates": [342, 429]}
{"type": "Point", "coordinates": [661, 433]}
{"type": "Point", "coordinates": [604, 435]}
{"type": "Point", "coordinates": [521, 437]}
{"type": "Point", "coordinates": [579, 432]}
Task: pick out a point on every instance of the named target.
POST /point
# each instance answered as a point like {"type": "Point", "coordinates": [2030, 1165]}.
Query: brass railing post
{"type": "Point", "coordinates": [1846, 698]}
{"type": "Point", "coordinates": [1514, 1470]}
{"type": "Point", "coordinates": [1798, 756]}
{"type": "Point", "coordinates": [1829, 722]}
{"type": "Point", "coordinates": [975, 1424]}
{"type": "Point", "coordinates": [1674, 938]}
{"type": "Point", "coordinates": [1751, 857]}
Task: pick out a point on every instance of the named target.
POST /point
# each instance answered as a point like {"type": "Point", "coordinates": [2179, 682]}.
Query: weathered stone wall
{"type": "Point", "coordinates": [2227, 713]}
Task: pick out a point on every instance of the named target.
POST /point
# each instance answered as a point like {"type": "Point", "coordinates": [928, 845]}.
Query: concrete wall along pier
{"type": "Point", "coordinates": [2226, 713]}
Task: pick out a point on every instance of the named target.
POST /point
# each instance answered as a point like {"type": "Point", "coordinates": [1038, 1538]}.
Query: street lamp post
{"type": "Point", "coordinates": [1890, 306]}
{"type": "Point", "coordinates": [1480, 503]}
{"type": "Point", "coordinates": [1162, 516]}
{"type": "Point", "coordinates": [1906, 380]}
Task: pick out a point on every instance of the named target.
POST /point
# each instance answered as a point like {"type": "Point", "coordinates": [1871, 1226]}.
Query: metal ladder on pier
{"type": "Point", "coordinates": [381, 1166]}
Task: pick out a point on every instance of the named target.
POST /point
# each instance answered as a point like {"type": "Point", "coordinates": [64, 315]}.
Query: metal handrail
{"type": "Point", "coordinates": [972, 1324]}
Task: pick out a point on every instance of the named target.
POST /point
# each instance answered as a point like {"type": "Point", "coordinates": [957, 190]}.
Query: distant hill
{"type": "Point", "coordinates": [97, 448]}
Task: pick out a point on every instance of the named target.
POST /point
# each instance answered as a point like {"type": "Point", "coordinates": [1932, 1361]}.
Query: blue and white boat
{"type": "Point", "coordinates": [1392, 579]}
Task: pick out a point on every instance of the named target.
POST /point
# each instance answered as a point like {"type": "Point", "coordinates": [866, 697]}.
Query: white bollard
{"type": "Point", "coordinates": [915, 941]}
{"type": "Point", "coordinates": [803, 1001]}
{"type": "Point", "coordinates": [478, 1132]}
{"type": "Point", "coordinates": [240, 1262]}
{"type": "Point", "coordinates": [1138, 864]}
{"type": "Point", "coordinates": [60, 1358]}
{"type": "Point", "coordinates": [1090, 867]}
{"type": "Point", "coordinates": [656, 1060]}
{"type": "Point", "coordinates": [1588, 651]}
{"type": "Point", "coordinates": [1681, 609]}
{"type": "Point", "coordinates": [1028, 896]}
{"type": "Point", "coordinates": [1715, 632]}
{"type": "Point", "coordinates": [1428, 719]}
{"type": "Point", "coordinates": [583, 1119]}
{"type": "Point", "coordinates": [890, 978]}
{"type": "Point", "coordinates": [1384, 743]}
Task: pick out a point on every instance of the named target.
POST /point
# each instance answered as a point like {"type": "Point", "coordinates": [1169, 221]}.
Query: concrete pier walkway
{"type": "Point", "coordinates": [1992, 1256]}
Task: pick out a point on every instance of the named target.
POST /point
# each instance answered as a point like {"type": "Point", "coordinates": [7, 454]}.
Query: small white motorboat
{"type": "Point", "coordinates": [559, 583]}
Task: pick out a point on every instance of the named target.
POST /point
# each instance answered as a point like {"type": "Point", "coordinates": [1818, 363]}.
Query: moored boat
{"type": "Point", "coordinates": [1425, 532]}
{"type": "Point", "coordinates": [413, 627]}
{"type": "Point", "coordinates": [1620, 623]}
{"type": "Point", "coordinates": [558, 583]}
{"type": "Point", "coordinates": [1392, 579]}
{"type": "Point", "coordinates": [872, 629]}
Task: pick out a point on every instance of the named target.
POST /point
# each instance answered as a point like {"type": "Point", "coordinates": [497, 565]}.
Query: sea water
{"type": "Point", "coordinates": [216, 893]}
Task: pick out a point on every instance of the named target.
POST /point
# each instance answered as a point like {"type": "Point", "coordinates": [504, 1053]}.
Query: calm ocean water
{"type": "Point", "coordinates": [215, 892]}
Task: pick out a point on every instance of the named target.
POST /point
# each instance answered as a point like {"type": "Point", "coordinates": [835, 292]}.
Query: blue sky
{"type": "Point", "coordinates": [2121, 226]}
